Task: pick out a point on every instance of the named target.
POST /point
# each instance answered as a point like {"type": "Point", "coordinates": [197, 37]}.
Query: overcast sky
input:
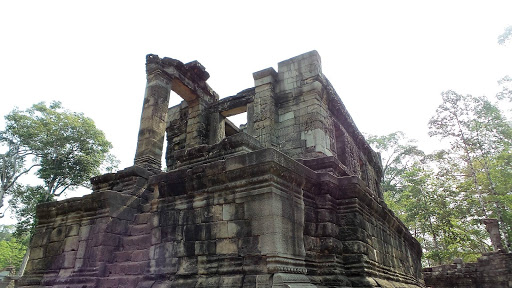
{"type": "Point", "coordinates": [388, 60]}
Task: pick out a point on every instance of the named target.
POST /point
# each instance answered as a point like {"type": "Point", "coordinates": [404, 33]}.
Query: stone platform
{"type": "Point", "coordinates": [291, 199]}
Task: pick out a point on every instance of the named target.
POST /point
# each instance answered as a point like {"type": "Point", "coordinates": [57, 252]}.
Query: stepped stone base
{"type": "Point", "coordinates": [292, 199]}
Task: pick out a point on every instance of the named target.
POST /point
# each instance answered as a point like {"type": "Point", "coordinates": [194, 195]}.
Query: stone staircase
{"type": "Point", "coordinates": [131, 261]}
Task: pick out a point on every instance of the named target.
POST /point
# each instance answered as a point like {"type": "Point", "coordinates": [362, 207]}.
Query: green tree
{"type": "Point", "coordinates": [6, 232]}
{"type": "Point", "coordinates": [11, 253]}
{"type": "Point", "coordinates": [66, 147]}
{"type": "Point", "coordinates": [12, 249]}
{"type": "Point", "coordinates": [425, 194]}
{"type": "Point", "coordinates": [398, 155]}
{"type": "Point", "coordinates": [479, 136]}
{"type": "Point", "coordinates": [430, 212]}
{"type": "Point", "coordinates": [11, 168]}
{"type": "Point", "coordinates": [24, 200]}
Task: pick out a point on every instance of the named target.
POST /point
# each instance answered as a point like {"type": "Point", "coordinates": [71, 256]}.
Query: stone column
{"type": "Point", "coordinates": [217, 127]}
{"type": "Point", "coordinates": [263, 112]}
{"type": "Point", "coordinates": [153, 120]}
{"type": "Point", "coordinates": [492, 226]}
{"type": "Point", "coordinates": [303, 108]}
{"type": "Point", "coordinates": [197, 133]}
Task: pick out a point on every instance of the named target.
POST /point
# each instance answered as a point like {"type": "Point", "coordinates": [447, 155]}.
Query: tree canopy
{"type": "Point", "coordinates": [12, 249]}
{"type": "Point", "coordinates": [65, 147]}
{"type": "Point", "coordinates": [444, 196]}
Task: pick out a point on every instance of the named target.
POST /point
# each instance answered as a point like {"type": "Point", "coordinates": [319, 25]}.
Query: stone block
{"type": "Point", "coordinates": [82, 246]}
{"type": "Point", "coordinates": [238, 229]}
{"type": "Point", "coordinates": [140, 255]}
{"type": "Point", "coordinates": [63, 273]}
{"type": "Point", "coordinates": [69, 259]}
{"type": "Point", "coordinates": [123, 256]}
{"type": "Point", "coordinates": [195, 232]}
{"type": "Point", "coordinates": [156, 235]}
{"type": "Point", "coordinates": [55, 248]}
{"type": "Point", "coordinates": [217, 230]}
{"type": "Point", "coordinates": [185, 248]}
{"type": "Point", "coordinates": [133, 242]}
{"type": "Point", "coordinates": [131, 268]}
{"type": "Point", "coordinates": [37, 253]}
{"type": "Point", "coordinates": [227, 246]}
{"type": "Point", "coordinates": [212, 213]}
{"type": "Point", "coordinates": [248, 246]}
{"type": "Point", "coordinates": [72, 230]}
{"type": "Point", "coordinates": [84, 232]}
{"type": "Point", "coordinates": [228, 211]}
{"type": "Point", "coordinates": [71, 243]}
{"type": "Point", "coordinates": [142, 218]}
{"type": "Point", "coordinates": [99, 254]}
{"type": "Point", "coordinates": [105, 239]}
{"type": "Point", "coordinates": [205, 247]}
{"type": "Point", "coordinates": [142, 229]}
{"type": "Point", "coordinates": [187, 266]}
{"type": "Point", "coordinates": [208, 281]}
{"type": "Point", "coordinates": [58, 234]}
{"type": "Point", "coordinates": [40, 239]}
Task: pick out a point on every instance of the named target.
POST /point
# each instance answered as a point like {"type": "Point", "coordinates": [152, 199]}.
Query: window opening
{"type": "Point", "coordinates": [238, 121]}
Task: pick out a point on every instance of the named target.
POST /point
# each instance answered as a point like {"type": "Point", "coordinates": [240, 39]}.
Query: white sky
{"type": "Point", "coordinates": [388, 60]}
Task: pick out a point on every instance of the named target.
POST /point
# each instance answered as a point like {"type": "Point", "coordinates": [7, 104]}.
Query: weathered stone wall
{"type": "Point", "coordinates": [77, 240]}
{"type": "Point", "coordinates": [293, 201]}
{"type": "Point", "coordinates": [492, 270]}
{"type": "Point", "coordinates": [229, 231]}
{"type": "Point", "coordinates": [305, 124]}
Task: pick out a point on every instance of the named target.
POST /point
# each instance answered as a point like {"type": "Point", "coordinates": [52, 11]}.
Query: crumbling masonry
{"type": "Point", "coordinates": [291, 199]}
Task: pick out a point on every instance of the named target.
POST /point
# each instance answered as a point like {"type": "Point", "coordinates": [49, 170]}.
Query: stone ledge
{"type": "Point", "coordinates": [227, 146]}
{"type": "Point", "coordinates": [97, 202]}
{"type": "Point", "coordinates": [136, 171]}
{"type": "Point", "coordinates": [326, 164]}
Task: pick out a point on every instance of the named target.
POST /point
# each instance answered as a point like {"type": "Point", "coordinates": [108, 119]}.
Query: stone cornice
{"type": "Point", "coordinates": [188, 79]}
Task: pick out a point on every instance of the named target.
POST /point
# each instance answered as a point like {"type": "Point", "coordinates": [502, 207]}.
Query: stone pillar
{"type": "Point", "coordinates": [492, 226]}
{"type": "Point", "coordinates": [217, 127]}
{"type": "Point", "coordinates": [153, 119]}
{"type": "Point", "coordinates": [264, 114]}
{"type": "Point", "coordinates": [197, 125]}
{"type": "Point", "coordinates": [305, 123]}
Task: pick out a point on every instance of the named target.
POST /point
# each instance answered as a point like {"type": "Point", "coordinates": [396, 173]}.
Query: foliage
{"type": "Point", "coordinates": [66, 147]}
{"type": "Point", "coordinates": [12, 249]}
{"type": "Point", "coordinates": [6, 232]}
{"type": "Point", "coordinates": [398, 155]}
{"type": "Point", "coordinates": [505, 36]}
{"type": "Point", "coordinates": [24, 201]}
{"type": "Point", "coordinates": [506, 88]}
{"type": "Point", "coordinates": [479, 136]}
{"type": "Point", "coordinates": [11, 168]}
{"type": "Point", "coordinates": [506, 81]}
{"type": "Point", "coordinates": [442, 197]}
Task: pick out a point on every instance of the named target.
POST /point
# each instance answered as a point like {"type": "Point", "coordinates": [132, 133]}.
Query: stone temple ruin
{"type": "Point", "coordinates": [291, 199]}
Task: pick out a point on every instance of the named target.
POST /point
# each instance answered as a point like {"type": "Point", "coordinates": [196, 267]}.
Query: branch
{"type": "Point", "coordinates": [62, 191]}
{"type": "Point", "coordinates": [19, 175]}
{"type": "Point", "coordinates": [2, 214]}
